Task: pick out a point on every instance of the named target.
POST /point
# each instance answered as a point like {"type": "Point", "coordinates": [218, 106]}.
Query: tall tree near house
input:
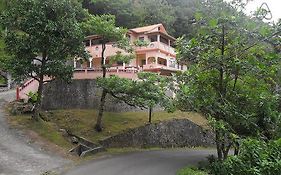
{"type": "Point", "coordinates": [148, 91]}
{"type": "Point", "coordinates": [231, 76]}
{"type": "Point", "coordinates": [104, 26]}
{"type": "Point", "coordinates": [41, 36]}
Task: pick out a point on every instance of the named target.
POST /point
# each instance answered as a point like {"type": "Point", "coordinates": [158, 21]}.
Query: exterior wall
{"type": "Point", "coordinates": [93, 74]}
{"type": "Point", "coordinates": [96, 50]}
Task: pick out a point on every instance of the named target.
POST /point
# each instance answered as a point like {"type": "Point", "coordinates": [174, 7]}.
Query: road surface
{"type": "Point", "coordinates": [17, 155]}
{"type": "Point", "coordinates": [163, 162]}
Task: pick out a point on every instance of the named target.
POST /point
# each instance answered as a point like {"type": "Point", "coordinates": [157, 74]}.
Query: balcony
{"type": "Point", "coordinates": [148, 67]}
{"type": "Point", "coordinates": [157, 45]}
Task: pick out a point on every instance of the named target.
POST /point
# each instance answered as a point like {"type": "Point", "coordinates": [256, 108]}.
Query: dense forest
{"type": "Point", "coordinates": [176, 15]}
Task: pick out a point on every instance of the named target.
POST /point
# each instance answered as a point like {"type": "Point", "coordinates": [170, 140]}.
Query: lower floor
{"type": "Point", "coordinates": [160, 63]}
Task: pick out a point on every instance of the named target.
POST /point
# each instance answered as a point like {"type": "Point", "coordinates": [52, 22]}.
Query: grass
{"type": "Point", "coordinates": [81, 123]}
{"type": "Point", "coordinates": [47, 130]}
{"type": "Point", "coordinates": [2, 80]}
{"type": "Point", "coordinates": [191, 171]}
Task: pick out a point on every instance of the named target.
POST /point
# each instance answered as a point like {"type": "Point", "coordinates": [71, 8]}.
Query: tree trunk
{"type": "Point", "coordinates": [219, 148]}
{"type": "Point", "coordinates": [226, 151]}
{"type": "Point", "coordinates": [37, 108]}
{"type": "Point", "coordinates": [149, 114]}
{"type": "Point", "coordinates": [98, 126]}
{"type": "Point", "coordinates": [236, 148]}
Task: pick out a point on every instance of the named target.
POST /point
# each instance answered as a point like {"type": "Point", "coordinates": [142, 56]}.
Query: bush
{"type": "Point", "coordinates": [256, 158]}
{"type": "Point", "coordinates": [191, 171]}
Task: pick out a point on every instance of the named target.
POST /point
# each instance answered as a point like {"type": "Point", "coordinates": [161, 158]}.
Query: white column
{"type": "Point", "coordinates": [168, 62]}
{"type": "Point", "coordinates": [91, 64]}
{"type": "Point", "coordinates": [146, 59]}
{"type": "Point", "coordinates": [156, 60]}
{"type": "Point", "coordinates": [158, 38]}
{"type": "Point", "coordinates": [74, 63]}
{"type": "Point", "coordinates": [124, 65]}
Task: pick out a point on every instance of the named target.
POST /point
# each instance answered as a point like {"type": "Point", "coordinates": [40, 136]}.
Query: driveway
{"type": "Point", "coordinates": [163, 162]}
{"type": "Point", "coordinates": [17, 155]}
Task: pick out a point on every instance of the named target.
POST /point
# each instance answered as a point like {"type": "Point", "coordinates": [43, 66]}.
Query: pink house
{"type": "Point", "coordinates": [158, 56]}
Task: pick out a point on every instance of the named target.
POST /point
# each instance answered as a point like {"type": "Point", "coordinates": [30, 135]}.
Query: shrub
{"type": "Point", "coordinates": [256, 158]}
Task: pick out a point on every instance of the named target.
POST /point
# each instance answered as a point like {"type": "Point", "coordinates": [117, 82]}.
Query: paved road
{"type": "Point", "coordinates": [17, 155]}
{"type": "Point", "coordinates": [164, 162]}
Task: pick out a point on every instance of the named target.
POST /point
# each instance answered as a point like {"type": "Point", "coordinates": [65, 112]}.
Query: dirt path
{"type": "Point", "coordinates": [17, 155]}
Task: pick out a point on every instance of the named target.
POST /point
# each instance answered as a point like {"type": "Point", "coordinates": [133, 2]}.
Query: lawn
{"type": "Point", "coordinates": [81, 123]}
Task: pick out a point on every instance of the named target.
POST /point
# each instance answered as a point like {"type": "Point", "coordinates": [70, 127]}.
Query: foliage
{"type": "Point", "coordinates": [232, 75]}
{"type": "Point", "coordinates": [32, 97]}
{"type": "Point", "coordinates": [146, 92]}
{"type": "Point", "coordinates": [132, 13]}
{"type": "Point", "coordinates": [190, 171]}
{"type": "Point", "coordinates": [121, 58]}
{"type": "Point", "coordinates": [256, 158]}
{"type": "Point", "coordinates": [2, 80]}
{"type": "Point", "coordinates": [176, 15]}
{"type": "Point", "coordinates": [105, 28]}
{"type": "Point", "coordinates": [41, 36]}
{"type": "Point", "coordinates": [141, 43]}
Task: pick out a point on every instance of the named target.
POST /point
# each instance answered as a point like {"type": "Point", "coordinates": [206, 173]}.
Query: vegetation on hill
{"type": "Point", "coordinates": [80, 122]}
{"type": "Point", "coordinates": [177, 16]}
{"type": "Point", "coordinates": [42, 40]}
{"type": "Point", "coordinates": [233, 77]}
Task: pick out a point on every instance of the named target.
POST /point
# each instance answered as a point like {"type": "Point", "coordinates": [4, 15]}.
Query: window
{"type": "Point", "coordinates": [164, 40]}
{"type": "Point", "coordinates": [87, 43]}
{"type": "Point", "coordinates": [141, 38]}
{"type": "Point", "coordinates": [96, 41]}
{"type": "Point", "coordinates": [153, 38]}
{"type": "Point", "coordinates": [143, 62]}
{"type": "Point", "coordinates": [119, 63]}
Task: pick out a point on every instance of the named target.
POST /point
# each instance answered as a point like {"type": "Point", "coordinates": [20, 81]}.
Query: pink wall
{"type": "Point", "coordinates": [88, 74]}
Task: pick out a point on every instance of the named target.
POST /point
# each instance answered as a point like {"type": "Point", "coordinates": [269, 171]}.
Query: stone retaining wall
{"type": "Point", "coordinates": [174, 133]}
{"type": "Point", "coordinates": [79, 94]}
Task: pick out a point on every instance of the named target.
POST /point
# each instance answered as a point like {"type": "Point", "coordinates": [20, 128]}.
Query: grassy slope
{"type": "Point", "coordinates": [81, 122]}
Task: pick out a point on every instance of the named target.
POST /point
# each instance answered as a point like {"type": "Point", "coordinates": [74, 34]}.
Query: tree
{"type": "Point", "coordinates": [41, 36]}
{"type": "Point", "coordinates": [104, 26]}
{"type": "Point", "coordinates": [229, 78]}
{"type": "Point", "coordinates": [148, 91]}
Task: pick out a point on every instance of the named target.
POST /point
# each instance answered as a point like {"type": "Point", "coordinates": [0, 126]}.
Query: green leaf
{"type": "Point", "coordinates": [213, 22]}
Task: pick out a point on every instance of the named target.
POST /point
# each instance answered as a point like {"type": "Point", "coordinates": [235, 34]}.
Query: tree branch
{"type": "Point", "coordinates": [34, 77]}
{"type": "Point", "coordinates": [37, 59]}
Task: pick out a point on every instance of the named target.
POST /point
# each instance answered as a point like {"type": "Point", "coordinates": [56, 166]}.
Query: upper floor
{"type": "Point", "coordinates": [155, 36]}
{"type": "Point", "coordinates": [156, 55]}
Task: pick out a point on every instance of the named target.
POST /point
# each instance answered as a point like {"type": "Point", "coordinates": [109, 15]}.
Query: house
{"type": "Point", "coordinates": [157, 56]}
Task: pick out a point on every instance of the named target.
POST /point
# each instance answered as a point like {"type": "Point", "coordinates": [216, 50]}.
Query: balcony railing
{"type": "Point", "coordinates": [157, 45]}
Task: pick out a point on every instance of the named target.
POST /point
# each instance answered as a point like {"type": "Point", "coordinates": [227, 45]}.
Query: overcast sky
{"type": "Point", "coordinates": [274, 6]}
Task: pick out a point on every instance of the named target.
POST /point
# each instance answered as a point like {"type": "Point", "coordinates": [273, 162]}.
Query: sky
{"type": "Point", "coordinates": [274, 6]}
